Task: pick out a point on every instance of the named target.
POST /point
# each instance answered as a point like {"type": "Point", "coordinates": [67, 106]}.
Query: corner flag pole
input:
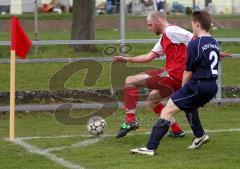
{"type": "Point", "coordinates": [20, 45]}
{"type": "Point", "coordinates": [12, 96]}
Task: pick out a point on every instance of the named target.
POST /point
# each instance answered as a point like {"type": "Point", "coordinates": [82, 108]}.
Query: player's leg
{"type": "Point", "coordinates": [153, 79]}
{"type": "Point", "coordinates": [196, 126]}
{"type": "Point", "coordinates": [132, 83]}
{"type": "Point", "coordinates": [154, 101]}
{"type": "Point", "coordinates": [165, 86]}
{"type": "Point", "coordinates": [159, 130]}
{"type": "Point", "coordinates": [186, 98]}
{"type": "Point", "coordinates": [207, 90]}
{"type": "Point", "coordinates": [182, 99]}
{"type": "Point", "coordinates": [194, 122]}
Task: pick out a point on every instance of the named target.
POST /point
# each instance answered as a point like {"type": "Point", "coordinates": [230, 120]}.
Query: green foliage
{"type": "Point", "coordinates": [188, 11]}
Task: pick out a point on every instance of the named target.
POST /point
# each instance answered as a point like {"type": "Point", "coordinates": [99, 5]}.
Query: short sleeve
{"type": "Point", "coordinates": [191, 54]}
{"type": "Point", "coordinates": [158, 48]}
{"type": "Point", "coordinates": [178, 35]}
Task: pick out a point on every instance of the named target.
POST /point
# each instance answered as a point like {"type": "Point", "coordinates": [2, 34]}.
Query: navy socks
{"type": "Point", "coordinates": [159, 130]}
{"type": "Point", "coordinates": [195, 123]}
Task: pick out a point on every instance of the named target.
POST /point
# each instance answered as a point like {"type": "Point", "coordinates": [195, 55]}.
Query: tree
{"type": "Point", "coordinates": [83, 22]}
{"type": "Point", "coordinates": [194, 5]}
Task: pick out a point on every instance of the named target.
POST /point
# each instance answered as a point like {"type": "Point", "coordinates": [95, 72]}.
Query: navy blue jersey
{"type": "Point", "coordinates": [203, 58]}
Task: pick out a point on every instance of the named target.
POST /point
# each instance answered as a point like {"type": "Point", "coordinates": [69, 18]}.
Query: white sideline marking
{"type": "Point", "coordinates": [65, 136]}
{"type": "Point", "coordinates": [111, 135]}
{"type": "Point", "coordinates": [207, 131]}
{"type": "Point", "coordinates": [223, 130]}
{"type": "Point", "coordinates": [54, 137]}
{"type": "Point", "coordinates": [45, 152]}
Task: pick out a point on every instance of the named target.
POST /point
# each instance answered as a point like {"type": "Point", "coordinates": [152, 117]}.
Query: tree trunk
{"type": "Point", "coordinates": [83, 23]}
{"type": "Point", "coordinates": [194, 5]}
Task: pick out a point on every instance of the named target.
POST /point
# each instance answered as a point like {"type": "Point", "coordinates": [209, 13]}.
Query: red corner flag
{"type": "Point", "coordinates": [20, 42]}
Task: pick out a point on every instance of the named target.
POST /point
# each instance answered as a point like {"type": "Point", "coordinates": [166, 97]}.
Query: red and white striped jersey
{"type": "Point", "coordinates": [173, 44]}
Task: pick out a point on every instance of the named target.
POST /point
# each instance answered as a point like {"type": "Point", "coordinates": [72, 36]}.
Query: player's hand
{"type": "Point", "coordinates": [225, 54]}
{"type": "Point", "coordinates": [120, 59]}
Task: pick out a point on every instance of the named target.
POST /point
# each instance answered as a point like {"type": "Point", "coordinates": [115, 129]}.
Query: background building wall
{"type": "Point", "coordinates": [216, 7]}
{"type": "Point", "coordinates": [16, 7]}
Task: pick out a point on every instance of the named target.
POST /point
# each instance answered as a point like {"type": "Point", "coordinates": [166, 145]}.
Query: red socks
{"type": "Point", "coordinates": [158, 109]}
{"type": "Point", "coordinates": [130, 102]}
{"type": "Point", "coordinates": [130, 117]}
{"type": "Point", "coordinates": [174, 126]}
{"type": "Point", "coordinates": [130, 98]}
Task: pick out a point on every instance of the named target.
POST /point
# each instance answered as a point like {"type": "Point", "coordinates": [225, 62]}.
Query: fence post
{"type": "Point", "coordinates": [219, 83]}
{"type": "Point", "coordinates": [36, 24]}
{"type": "Point", "coordinates": [155, 5]}
{"type": "Point", "coordinates": [122, 24]}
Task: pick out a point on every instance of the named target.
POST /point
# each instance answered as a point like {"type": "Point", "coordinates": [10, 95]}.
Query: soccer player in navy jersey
{"type": "Point", "coordinates": [198, 86]}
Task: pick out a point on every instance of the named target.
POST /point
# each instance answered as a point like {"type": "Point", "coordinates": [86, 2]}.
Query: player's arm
{"type": "Point", "coordinates": [137, 59]}
{"type": "Point", "coordinates": [191, 53]}
{"type": "Point", "coordinates": [225, 54]}
{"type": "Point", "coordinates": [155, 52]}
{"type": "Point", "coordinates": [186, 77]}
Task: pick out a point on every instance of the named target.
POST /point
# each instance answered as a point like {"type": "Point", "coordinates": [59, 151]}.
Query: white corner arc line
{"type": "Point", "coordinates": [77, 145]}
{"type": "Point", "coordinates": [33, 149]}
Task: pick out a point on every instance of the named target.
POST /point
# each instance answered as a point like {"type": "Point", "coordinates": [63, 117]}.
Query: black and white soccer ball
{"type": "Point", "coordinates": [96, 125]}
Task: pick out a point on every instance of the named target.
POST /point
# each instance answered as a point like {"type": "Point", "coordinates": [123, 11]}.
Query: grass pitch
{"type": "Point", "coordinates": [107, 152]}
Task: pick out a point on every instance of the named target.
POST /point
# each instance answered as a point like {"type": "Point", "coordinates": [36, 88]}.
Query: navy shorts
{"type": "Point", "coordinates": [195, 94]}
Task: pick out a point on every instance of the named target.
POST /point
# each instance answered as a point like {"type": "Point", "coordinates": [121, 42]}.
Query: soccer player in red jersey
{"type": "Point", "coordinates": [163, 82]}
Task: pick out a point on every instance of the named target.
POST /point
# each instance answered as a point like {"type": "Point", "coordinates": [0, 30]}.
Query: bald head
{"type": "Point", "coordinates": [155, 15]}
{"type": "Point", "coordinates": [157, 22]}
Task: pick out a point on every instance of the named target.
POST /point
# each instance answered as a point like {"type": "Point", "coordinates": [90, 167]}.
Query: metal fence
{"type": "Point", "coordinates": [95, 42]}
{"type": "Point", "coordinates": [100, 59]}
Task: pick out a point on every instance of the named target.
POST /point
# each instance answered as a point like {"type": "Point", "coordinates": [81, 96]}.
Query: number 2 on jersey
{"type": "Point", "coordinates": [213, 55]}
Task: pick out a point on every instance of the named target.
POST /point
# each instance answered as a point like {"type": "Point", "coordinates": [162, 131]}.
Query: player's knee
{"type": "Point", "coordinates": [163, 123]}
{"type": "Point", "coordinates": [164, 110]}
{"type": "Point", "coordinates": [165, 114]}
{"type": "Point", "coordinates": [129, 81]}
{"type": "Point", "coordinates": [152, 104]}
